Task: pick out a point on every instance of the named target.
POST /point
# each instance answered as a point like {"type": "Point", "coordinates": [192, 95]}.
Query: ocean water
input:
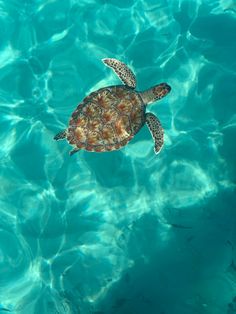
{"type": "Point", "coordinates": [124, 232]}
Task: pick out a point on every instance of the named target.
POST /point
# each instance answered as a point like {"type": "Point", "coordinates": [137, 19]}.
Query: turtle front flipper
{"type": "Point", "coordinates": [123, 72]}
{"type": "Point", "coordinates": [156, 130]}
{"type": "Point", "coordinates": [61, 135]}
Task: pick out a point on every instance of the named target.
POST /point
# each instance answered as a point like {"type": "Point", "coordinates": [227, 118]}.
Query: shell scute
{"type": "Point", "coordinates": [95, 124]}
{"type": "Point", "coordinates": [71, 138]}
{"type": "Point", "coordinates": [80, 134]}
{"type": "Point", "coordinates": [135, 118]}
{"type": "Point", "coordinates": [92, 110]}
{"type": "Point", "coordinates": [125, 106]}
{"type": "Point", "coordinates": [108, 135]}
{"type": "Point", "coordinates": [82, 122]}
{"type": "Point", "coordinates": [110, 116]}
{"type": "Point", "coordinates": [122, 128]}
{"type": "Point", "coordinates": [93, 138]}
{"type": "Point", "coordinates": [104, 99]}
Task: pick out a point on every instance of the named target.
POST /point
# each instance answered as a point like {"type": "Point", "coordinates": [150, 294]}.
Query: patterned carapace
{"type": "Point", "coordinates": [107, 119]}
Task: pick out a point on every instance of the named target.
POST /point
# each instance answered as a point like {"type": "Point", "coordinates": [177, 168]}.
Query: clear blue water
{"type": "Point", "coordinates": [125, 232]}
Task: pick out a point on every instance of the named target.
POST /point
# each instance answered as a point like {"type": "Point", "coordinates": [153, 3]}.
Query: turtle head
{"type": "Point", "coordinates": [160, 90]}
{"type": "Point", "coordinates": [155, 93]}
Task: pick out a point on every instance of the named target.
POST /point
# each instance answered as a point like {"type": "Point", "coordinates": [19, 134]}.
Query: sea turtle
{"type": "Point", "coordinates": [107, 119]}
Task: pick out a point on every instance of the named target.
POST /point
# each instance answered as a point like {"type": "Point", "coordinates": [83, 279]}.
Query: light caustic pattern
{"type": "Point", "coordinates": [127, 231]}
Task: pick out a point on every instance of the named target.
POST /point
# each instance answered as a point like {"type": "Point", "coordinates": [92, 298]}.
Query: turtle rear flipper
{"type": "Point", "coordinates": [73, 151]}
{"type": "Point", "coordinates": [61, 135]}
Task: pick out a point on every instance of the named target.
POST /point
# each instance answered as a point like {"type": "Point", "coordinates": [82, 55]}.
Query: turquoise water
{"type": "Point", "coordinates": [125, 232]}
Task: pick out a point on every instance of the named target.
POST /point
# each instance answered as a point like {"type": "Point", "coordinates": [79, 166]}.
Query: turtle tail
{"type": "Point", "coordinates": [61, 135]}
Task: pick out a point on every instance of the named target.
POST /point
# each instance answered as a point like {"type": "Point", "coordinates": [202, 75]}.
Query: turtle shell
{"type": "Point", "coordinates": [106, 119]}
